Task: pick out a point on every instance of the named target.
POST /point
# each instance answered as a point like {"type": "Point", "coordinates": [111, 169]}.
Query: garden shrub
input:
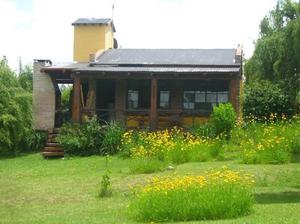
{"type": "Point", "coordinates": [215, 195]}
{"type": "Point", "coordinates": [36, 140]}
{"type": "Point", "coordinates": [223, 119]}
{"type": "Point", "coordinates": [112, 138]}
{"type": "Point", "coordinates": [203, 130]}
{"type": "Point", "coordinates": [263, 98]}
{"type": "Point", "coordinates": [82, 139]}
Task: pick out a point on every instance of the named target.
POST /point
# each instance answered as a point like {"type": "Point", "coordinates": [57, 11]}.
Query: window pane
{"type": "Point", "coordinates": [189, 105]}
{"type": "Point", "coordinates": [164, 99]}
{"type": "Point", "coordinates": [189, 99]}
{"type": "Point", "coordinates": [133, 99]}
{"type": "Point", "coordinates": [223, 97]}
{"type": "Point", "coordinates": [200, 97]}
{"type": "Point", "coordinates": [188, 96]}
{"type": "Point", "coordinates": [211, 97]}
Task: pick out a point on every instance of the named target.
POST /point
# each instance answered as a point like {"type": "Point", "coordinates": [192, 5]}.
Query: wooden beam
{"type": "Point", "coordinates": [173, 76]}
{"type": "Point", "coordinates": [76, 100]}
{"type": "Point", "coordinates": [120, 100]}
{"type": "Point", "coordinates": [153, 109]}
{"type": "Point", "coordinates": [234, 93]}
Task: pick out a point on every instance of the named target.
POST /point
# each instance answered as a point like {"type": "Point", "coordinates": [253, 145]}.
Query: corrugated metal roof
{"type": "Point", "coordinates": [168, 57]}
{"type": "Point", "coordinates": [126, 69]}
{"type": "Point", "coordinates": [95, 21]}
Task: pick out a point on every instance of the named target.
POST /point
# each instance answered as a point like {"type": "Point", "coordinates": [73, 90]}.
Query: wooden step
{"type": "Point", "coordinates": [52, 144]}
{"type": "Point", "coordinates": [53, 154]}
{"type": "Point", "coordinates": [53, 131]}
{"type": "Point", "coordinates": [52, 141]}
{"type": "Point", "coordinates": [53, 149]}
{"type": "Point", "coordinates": [52, 135]}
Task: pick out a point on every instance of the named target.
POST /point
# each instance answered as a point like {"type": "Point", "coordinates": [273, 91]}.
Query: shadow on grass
{"type": "Point", "coordinates": [295, 158]}
{"type": "Point", "coordinates": [13, 156]}
{"type": "Point", "coordinates": [276, 198]}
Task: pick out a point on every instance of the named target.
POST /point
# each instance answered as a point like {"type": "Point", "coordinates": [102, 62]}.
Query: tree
{"type": "Point", "coordinates": [277, 52]}
{"type": "Point", "coordinates": [26, 78]}
{"type": "Point", "coordinates": [15, 111]}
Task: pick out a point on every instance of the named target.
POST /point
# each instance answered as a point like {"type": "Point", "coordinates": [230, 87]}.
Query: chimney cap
{"type": "Point", "coordinates": [94, 21]}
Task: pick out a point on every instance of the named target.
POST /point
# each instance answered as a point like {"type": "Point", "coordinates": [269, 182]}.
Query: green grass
{"type": "Point", "coordinates": [34, 190]}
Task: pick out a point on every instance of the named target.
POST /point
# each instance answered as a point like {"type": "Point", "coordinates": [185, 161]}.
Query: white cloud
{"type": "Point", "coordinates": [47, 31]}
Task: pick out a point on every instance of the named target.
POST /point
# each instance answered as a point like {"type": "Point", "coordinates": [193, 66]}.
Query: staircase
{"type": "Point", "coordinates": [52, 148]}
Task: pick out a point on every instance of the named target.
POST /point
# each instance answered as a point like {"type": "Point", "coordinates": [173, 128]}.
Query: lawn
{"type": "Point", "coordinates": [35, 190]}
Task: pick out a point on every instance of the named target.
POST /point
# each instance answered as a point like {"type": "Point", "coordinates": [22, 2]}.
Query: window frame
{"type": "Point", "coordinates": [159, 100]}
{"type": "Point", "coordinates": [216, 102]}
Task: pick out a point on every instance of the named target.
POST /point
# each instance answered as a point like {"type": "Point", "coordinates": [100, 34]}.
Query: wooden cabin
{"type": "Point", "coordinates": [139, 88]}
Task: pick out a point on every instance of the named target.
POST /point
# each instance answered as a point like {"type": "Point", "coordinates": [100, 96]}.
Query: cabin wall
{"type": "Point", "coordinates": [43, 99]}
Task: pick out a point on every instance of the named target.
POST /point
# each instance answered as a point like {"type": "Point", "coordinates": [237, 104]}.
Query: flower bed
{"type": "Point", "coordinates": [215, 195]}
{"type": "Point", "coordinates": [173, 146]}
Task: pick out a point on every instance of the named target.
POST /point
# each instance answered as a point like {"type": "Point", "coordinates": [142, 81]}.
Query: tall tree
{"type": "Point", "coordinates": [277, 51]}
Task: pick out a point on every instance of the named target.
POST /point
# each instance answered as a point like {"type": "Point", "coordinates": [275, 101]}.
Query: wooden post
{"type": "Point", "coordinates": [120, 100]}
{"type": "Point", "coordinates": [91, 97]}
{"type": "Point", "coordinates": [153, 110]}
{"type": "Point", "coordinates": [76, 100]}
{"type": "Point", "coordinates": [234, 93]}
{"type": "Point", "coordinates": [176, 95]}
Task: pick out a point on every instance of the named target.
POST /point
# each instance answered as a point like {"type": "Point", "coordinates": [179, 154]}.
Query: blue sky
{"type": "Point", "coordinates": [24, 5]}
{"type": "Point", "coordinates": [42, 28]}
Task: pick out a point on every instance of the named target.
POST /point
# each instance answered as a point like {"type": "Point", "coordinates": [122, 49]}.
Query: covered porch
{"type": "Point", "coordinates": [154, 101]}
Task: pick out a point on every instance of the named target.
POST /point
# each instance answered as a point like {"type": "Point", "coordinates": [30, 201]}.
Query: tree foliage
{"type": "Point", "coordinates": [264, 98]}
{"type": "Point", "coordinates": [15, 111]}
{"type": "Point", "coordinates": [25, 78]}
{"type": "Point", "coordinates": [277, 52]}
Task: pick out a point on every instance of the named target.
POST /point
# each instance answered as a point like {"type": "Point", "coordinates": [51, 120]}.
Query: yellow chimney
{"type": "Point", "coordinates": [90, 36]}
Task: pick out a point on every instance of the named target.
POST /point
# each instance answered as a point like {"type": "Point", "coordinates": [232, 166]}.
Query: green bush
{"type": "Point", "coordinates": [263, 98]}
{"type": "Point", "coordinates": [223, 119]}
{"type": "Point", "coordinates": [36, 140]}
{"type": "Point", "coordinates": [112, 138]}
{"type": "Point", "coordinates": [82, 140]}
{"type": "Point", "coordinates": [203, 130]}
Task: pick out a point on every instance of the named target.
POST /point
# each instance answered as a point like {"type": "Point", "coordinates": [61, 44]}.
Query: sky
{"type": "Point", "coordinates": [41, 29]}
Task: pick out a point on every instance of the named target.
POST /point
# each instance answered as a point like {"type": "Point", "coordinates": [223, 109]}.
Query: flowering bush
{"type": "Point", "coordinates": [175, 146]}
{"type": "Point", "coordinates": [273, 141]}
{"type": "Point", "coordinates": [215, 195]}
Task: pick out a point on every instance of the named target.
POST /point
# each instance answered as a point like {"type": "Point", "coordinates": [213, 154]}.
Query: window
{"type": "Point", "coordinates": [189, 99]}
{"type": "Point", "coordinates": [203, 99]}
{"type": "Point", "coordinates": [164, 99]}
{"type": "Point", "coordinates": [211, 97]}
{"type": "Point", "coordinates": [200, 97]}
{"type": "Point", "coordinates": [133, 99]}
{"type": "Point", "coordinates": [223, 97]}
